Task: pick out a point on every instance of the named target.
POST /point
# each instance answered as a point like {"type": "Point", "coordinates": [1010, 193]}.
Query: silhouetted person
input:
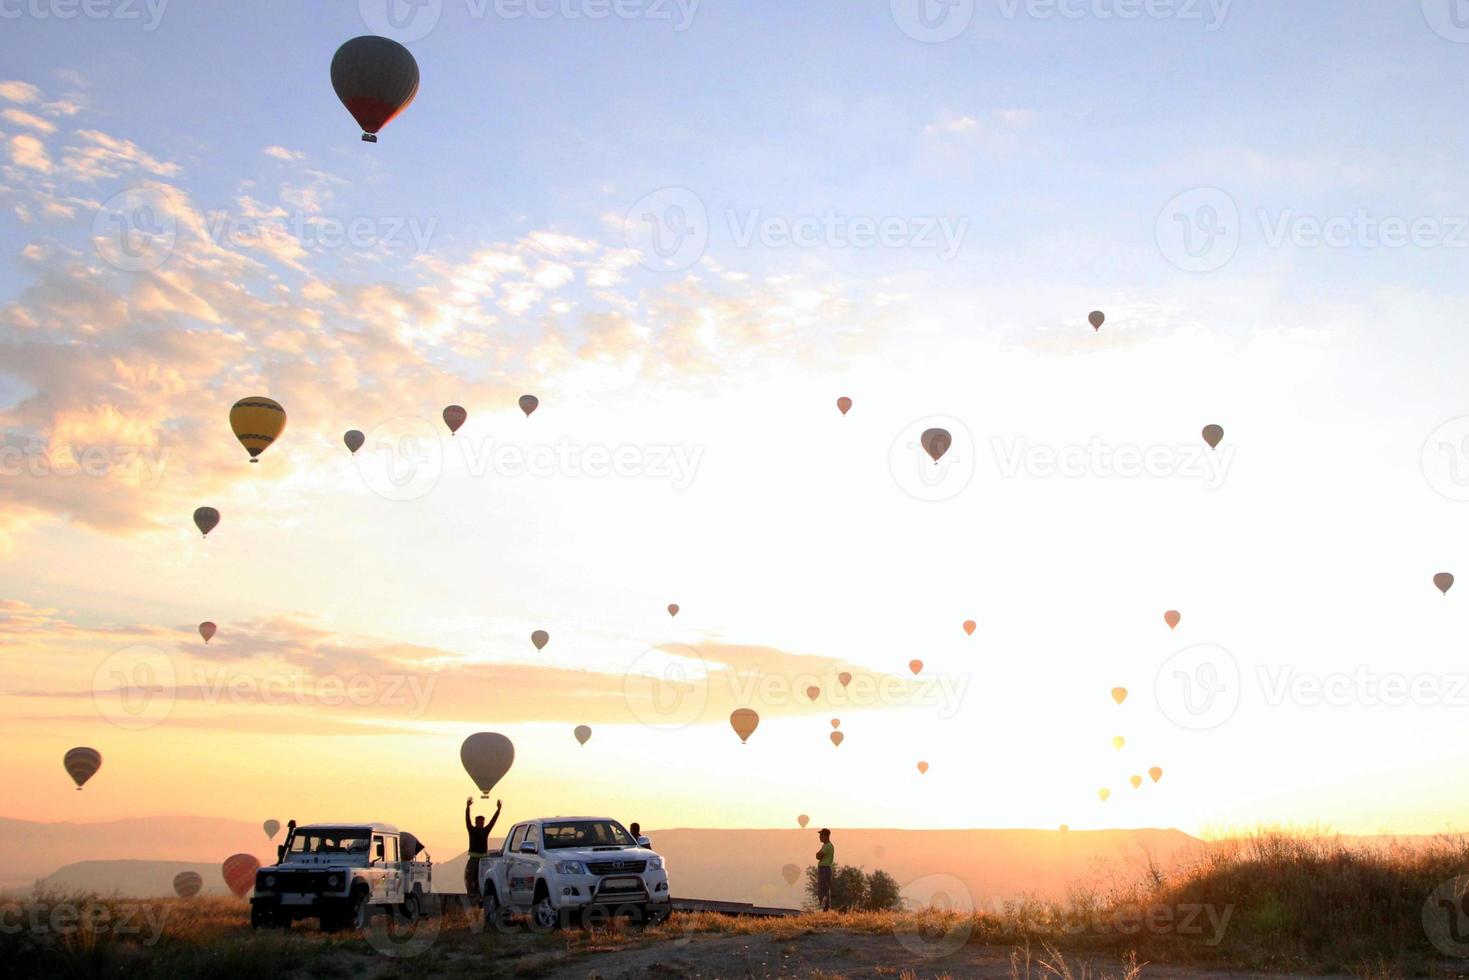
{"type": "Point", "coordinates": [826, 860]}
{"type": "Point", "coordinates": [479, 844]}
{"type": "Point", "coordinates": [635, 830]}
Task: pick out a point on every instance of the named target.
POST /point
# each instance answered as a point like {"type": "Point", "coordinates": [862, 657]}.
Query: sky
{"type": "Point", "coordinates": [688, 229]}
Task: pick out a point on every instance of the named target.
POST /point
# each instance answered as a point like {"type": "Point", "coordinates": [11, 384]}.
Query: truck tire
{"type": "Point", "coordinates": [261, 916]}
{"type": "Point", "coordinates": [490, 903]}
{"type": "Point", "coordinates": [412, 907]}
{"type": "Point", "coordinates": [543, 915]}
{"type": "Point", "coordinates": [359, 913]}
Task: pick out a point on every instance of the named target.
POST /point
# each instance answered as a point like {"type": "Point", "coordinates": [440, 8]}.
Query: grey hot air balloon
{"type": "Point", "coordinates": [582, 733]}
{"type": "Point", "coordinates": [82, 764]}
{"type": "Point", "coordinates": [354, 440]}
{"type": "Point", "coordinates": [207, 630]}
{"type": "Point", "coordinates": [206, 519]}
{"type": "Point", "coordinates": [271, 828]}
{"type": "Point", "coordinates": [487, 757]}
{"type": "Point", "coordinates": [186, 884]}
{"type": "Point", "coordinates": [540, 638]}
{"type": "Point", "coordinates": [1444, 581]}
{"type": "Point", "coordinates": [528, 404]}
{"type": "Point", "coordinates": [1096, 318]}
{"type": "Point", "coordinates": [375, 78]}
{"type": "Point", "coordinates": [1213, 434]}
{"type": "Point", "coordinates": [936, 442]}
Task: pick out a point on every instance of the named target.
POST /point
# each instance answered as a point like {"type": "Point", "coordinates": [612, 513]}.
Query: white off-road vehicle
{"type": "Point", "coordinates": [340, 873]}
{"type": "Point", "coordinates": [559, 868]}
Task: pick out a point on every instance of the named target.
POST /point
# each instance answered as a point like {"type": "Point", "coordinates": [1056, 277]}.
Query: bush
{"type": "Point", "coordinates": [853, 891]}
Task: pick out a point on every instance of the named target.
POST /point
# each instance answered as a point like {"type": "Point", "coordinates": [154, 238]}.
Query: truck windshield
{"type": "Point", "coordinates": [330, 842]}
{"type": "Point", "coordinates": [584, 833]}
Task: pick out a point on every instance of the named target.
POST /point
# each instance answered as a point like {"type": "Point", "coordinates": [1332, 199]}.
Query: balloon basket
{"type": "Point", "coordinates": [369, 138]}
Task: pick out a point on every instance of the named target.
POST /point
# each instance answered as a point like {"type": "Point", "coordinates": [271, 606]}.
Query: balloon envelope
{"type": "Point", "coordinates": [354, 440]}
{"type": "Point", "coordinates": [673, 609]}
{"type": "Point", "coordinates": [923, 767]}
{"type": "Point", "coordinates": [375, 78]}
{"type": "Point", "coordinates": [1172, 618]}
{"type": "Point", "coordinates": [936, 442]}
{"type": "Point", "coordinates": [582, 733]}
{"type": "Point", "coordinates": [844, 404]}
{"type": "Point", "coordinates": [836, 723]}
{"type": "Point", "coordinates": [744, 721]}
{"type": "Point", "coordinates": [836, 738]}
{"type": "Point", "coordinates": [239, 873]}
{"type": "Point", "coordinates": [257, 422]}
{"type": "Point", "coordinates": [844, 678]}
{"type": "Point", "coordinates": [82, 764]}
{"type": "Point", "coordinates": [1135, 780]}
{"type": "Point", "coordinates": [206, 519]}
{"type": "Point", "coordinates": [1444, 581]}
{"type": "Point", "coordinates": [271, 828]}
{"type": "Point", "coordinates": [454, 416]}
{"type": "Point", "coordinates": [186, 884]}
{"type": "Point", "coordinates": [487, 757]}
{"type": "Point", "coordinates": [207, 630]}
{"type": "Point", "coordinates": [1213, 434]}
{"type": "Point", "coordinates": [969, 625]}
{"type": "Point", "coordinates": [790, 873]}
{"type": "Point", "coordinates": [813, 692]}
{"type": "Point", "coordinates": [1118, 741]}
{"type": "Point", "coordinates": [1119, 694]}
{"type": "Point", "coordinates": [528, 404]}
{"type": "Point", "coordinates": [803, 820]}
{"type": "Point", "coordinates": [915, 665]}
{"type": "Point", "coordinates": [1104, 793]}
{"type": "Point", "coordinates": [540, 638]}
{"type": "Point", "coordinates": [1096, 318]}
{"type": "Point", "coordinates": [1156, 773]}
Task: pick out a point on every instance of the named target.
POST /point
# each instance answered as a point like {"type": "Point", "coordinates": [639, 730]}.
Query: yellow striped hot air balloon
{"type": "Point", "coordinates": [258, 421]}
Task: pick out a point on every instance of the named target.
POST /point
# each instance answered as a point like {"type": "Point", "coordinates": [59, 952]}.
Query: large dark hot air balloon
{"type": "Point", "coordinates": [936, 442]}
{"type": "Point", "coordinates": [528, 404]}
{"type": "Point", "coordinates": [487, 757]}
{"type": "Point", "coordinates": [354, 440]}
{"type": "Point", "coordinates": [744, 721]}
{"type": "Point", "coordinates": [239, 873]}
{"type": "Point", "coordinates": [1096, 318]}
{"type": "Point", "coordinates": [454, 416]}
{"type": "Point", "coordinates": [82, 764]}
{"type": "Point", "coordinates": [257, 422]}
{"type": "Point", "coordinates": [375, 78]}
{"type": "Point", "coordinates": [206, 519]}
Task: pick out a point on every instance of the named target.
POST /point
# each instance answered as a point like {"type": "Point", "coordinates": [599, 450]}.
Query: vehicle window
{"type": "Point", "coordinates": [377, 845]}
{"type": "Point", "coordinates": [329, 842]}
{"type": "Point", "coordinates": [516, 836]}
{"type": "Point", "coordinates": [532, 834]}
{"type": "Point", "coordinates": [586, 833]}
{"type": "Point", "coordinates": [391, 849]}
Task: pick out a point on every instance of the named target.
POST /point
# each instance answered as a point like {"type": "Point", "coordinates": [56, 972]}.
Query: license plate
{"type": "Point", "coordinates": [296, 899]}
{"type": "Point", "coordinates": [621, 884]}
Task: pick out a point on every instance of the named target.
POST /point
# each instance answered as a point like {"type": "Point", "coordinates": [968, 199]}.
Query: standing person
{"type": "Point", "coordinates": [826, 860]}
{"type": "Point", "coordinates": [635, 829]}
{"type": "Point", "coordinates": [479, 844]}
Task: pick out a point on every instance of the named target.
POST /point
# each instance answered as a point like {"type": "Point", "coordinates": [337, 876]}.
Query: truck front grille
{"type": "Point", "coordinates": [617, 867]}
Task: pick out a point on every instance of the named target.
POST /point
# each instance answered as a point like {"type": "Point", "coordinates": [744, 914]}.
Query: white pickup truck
{"type": "Point", "coordinates": [562, 867]}
{"type": "Point", "coordinates": [340, 873]}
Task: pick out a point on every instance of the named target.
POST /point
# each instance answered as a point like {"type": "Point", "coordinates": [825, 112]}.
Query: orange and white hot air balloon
{"type": "Point", "coordinates": [744, 721]}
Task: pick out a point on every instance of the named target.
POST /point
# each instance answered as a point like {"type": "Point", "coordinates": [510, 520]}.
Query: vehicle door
{"type": "Point", "coordinates": [527, 862]}
{"type": "Point", "coordinates": [392, 871]}
{"type": "Point", "coordinates": [507, 868]}
{"type": "Point", "coordinates": [376, 879]}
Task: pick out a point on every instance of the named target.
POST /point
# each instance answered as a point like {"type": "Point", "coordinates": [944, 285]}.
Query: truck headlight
{"type": "Point", "coordinates": [656, 863]}
{"type": "Point", "coordinates": [570, 868]}
{"type": "Point", "coordinates": [334, 880]}
{"type": "Point", "coordinates": [270, 881]}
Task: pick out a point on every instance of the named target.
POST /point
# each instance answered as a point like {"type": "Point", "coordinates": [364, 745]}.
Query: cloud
{"type": "Point", "coordinates": [281, 153]}
{"type": "Point", "coordinates": [29, 152]}
{"type": "Point", "coordinates": [23, 92]}
{"type": "Point", "coordinates": [22, 118]}
{"type": "Point", "coordinates": [100, 156]}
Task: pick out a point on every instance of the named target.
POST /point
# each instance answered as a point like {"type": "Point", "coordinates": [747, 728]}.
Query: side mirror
{"type": "Point", "coordinates": [527, 847]}
{"type": "Point", "coordinates": [645, 842]}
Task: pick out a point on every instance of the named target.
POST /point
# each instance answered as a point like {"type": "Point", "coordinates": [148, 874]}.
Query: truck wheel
{"type": "Point", "coordinates": [412, 907]}
{"type": "Point", "coordinates": [543, 914]}
{"type": "Point", "coordinates": [491, 906]}
{"type": "Point", "coordinates": [359, 914]}
{"type": "Point", "coordinates": [260, 917]}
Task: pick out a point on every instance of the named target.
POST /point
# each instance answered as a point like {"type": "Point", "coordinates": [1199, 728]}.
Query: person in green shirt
{"type": "Point", "coordinates": [826, 860]}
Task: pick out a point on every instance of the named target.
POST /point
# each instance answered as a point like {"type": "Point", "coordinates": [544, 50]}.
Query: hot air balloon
{"type": "Point", "coordinates": [186, 884]}
{"type": "Point", "coordinates": [673, 609]}
{"type": "Point", "coordinates": [844, 678]}
{"type": "Point", "coordinates": [803, 820]}
{"type": "Point", "coordinates": [1212, 435]}
{"type": "Point", "coordinates": [1118, 741]}
{"type": "Point", "coordinates": [1064, 828]}
{"type": "Point", "coordinates": [528, 404]}
{"type": "Point", "coordinates": [207, 630]}
{"type": "Point", "coordinates": [257, 421]}
{"type": "Point", "coordinates": [744, 721]}
{"type": "Point", "coordinates": [969, 625]}
{"type": "Point", "coordinates": [1096, 318]}
{"type": "Point", "coordinates": [1104, 793]}
{"type": "Point", "coordinates": [844, 404]}
{"type": "Point", "coordinates": [836, 723]}
{"type": "Point", "coordinates": [922, 767]}
{"type": "Point", "coordinates": [1172, 618]}
{"type": "Point", "coordinates": [790, 873]}
{"type": "Point", "coordinates": [1135, 780]}
{"type": "Point", "coordinates": [1119, 694]}
{"type": "Point", "coordinates": [1156, 773]}
{"type": "Point", "coordinates": [454, 416]}
{"type": "Point", "coordinates": [936, 442]}
{"type": "Point", "coordinates": [239, 873]}
{"type": "Point", "coordinates": [915, 665]}
{"type": "Point", "coordinates": [206, 519]}
{"type": "Point", "coordinates": [540, 638]}
{"type": "Point", "coordinates": [836, 738]}
{"type": "Point", "coordinates": [375, 78]}
{"type": "Point", "coordinates": [487, 757]}
{"type": "Point", "coordinates": [582, 733]}
{"type": "Point", "coordinates": [271, 828]}
{"type": "Point", "coordinates": [354, 440]}
{"type": "Point", "coordinates": [813, 692]}
{"type": "Point", "coordinates": [1444, 581]}
{"type": "Point", "coordinates": [82, 764]}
